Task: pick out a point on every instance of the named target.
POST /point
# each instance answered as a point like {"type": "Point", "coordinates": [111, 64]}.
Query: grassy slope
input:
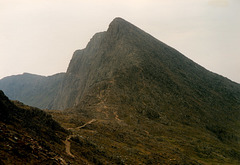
{"type": "Point", "coordinates": [142, 140]}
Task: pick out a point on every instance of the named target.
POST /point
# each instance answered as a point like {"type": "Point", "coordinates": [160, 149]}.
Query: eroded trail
{"type": "Point", "coordinates": [67, 141]}
{"type": "Point", "coordinates": [68, 146]}
{"type": "Point", "coordinates": [84, 125]}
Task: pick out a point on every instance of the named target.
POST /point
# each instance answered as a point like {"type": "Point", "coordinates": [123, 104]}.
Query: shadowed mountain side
{"type": "Point", "coordinates": [28, 135]}
{"type": "Point", "coordinates": [33, 90]}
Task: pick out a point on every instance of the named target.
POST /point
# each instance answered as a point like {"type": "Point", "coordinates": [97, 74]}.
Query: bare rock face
{"type": "Point", "coordinates": [106, 53]}
{"type": "Point", "coordinates": [77, 74]}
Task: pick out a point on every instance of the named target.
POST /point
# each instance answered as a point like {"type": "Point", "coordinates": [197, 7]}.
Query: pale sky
{"type": "Point", "coordinates": [40, 36]}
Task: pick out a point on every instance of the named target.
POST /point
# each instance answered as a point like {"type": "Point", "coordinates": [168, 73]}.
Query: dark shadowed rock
{"type": "Point", "coordinates": [28, 135]}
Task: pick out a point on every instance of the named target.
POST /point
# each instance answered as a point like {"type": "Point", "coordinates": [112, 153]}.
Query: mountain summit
{"type": "Point", "coordinates": [131, 64]}
{"type": "Point", "coordinates": [127, 84]}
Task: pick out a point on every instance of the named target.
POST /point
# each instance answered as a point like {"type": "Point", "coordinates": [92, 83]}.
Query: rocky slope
{"type": "Point", "coordinates": [33, 90]}
{"type": "Point", "coordinates": [28, 135]}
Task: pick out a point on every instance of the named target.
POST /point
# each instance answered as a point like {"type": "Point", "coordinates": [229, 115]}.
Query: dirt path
{"type": "Point", "coordinates": [116, 116]}
{"type": "Point", "coordinates": [68, 146]}
{"type": "Point", "coordinates": [87, 123]}
{"type": "Point", "coordinates": [67, 141]}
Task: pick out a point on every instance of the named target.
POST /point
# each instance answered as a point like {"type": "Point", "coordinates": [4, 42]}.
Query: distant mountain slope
{"type": "Point", "coordinates": [33, 90]}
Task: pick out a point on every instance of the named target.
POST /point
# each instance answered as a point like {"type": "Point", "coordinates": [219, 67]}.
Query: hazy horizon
{"type": "Point", "coordinates": [39, 37]}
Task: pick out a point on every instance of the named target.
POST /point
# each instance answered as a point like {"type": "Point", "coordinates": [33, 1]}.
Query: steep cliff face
{"type": "Point", "coordinates": [76, 78]}
{"type": "Point", "coordinates": [33, 90]}
{"type": "Point", "coordinates": [120, 48]}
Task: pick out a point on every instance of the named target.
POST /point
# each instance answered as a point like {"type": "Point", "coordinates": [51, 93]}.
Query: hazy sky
{"type": "Point", "coordinates": [39, 36]}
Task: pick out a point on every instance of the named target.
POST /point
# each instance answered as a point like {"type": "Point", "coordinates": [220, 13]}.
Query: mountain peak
{"type": "Point", "coordinates": [119, 20]}
{"type": "Point", "coordinates": [120, 26]}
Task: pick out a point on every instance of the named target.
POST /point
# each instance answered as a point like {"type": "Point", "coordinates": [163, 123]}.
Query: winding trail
{"type": "Point", "coordinates": [68, 146]}
{"type": "Point", "coordinates": [67, 141]}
